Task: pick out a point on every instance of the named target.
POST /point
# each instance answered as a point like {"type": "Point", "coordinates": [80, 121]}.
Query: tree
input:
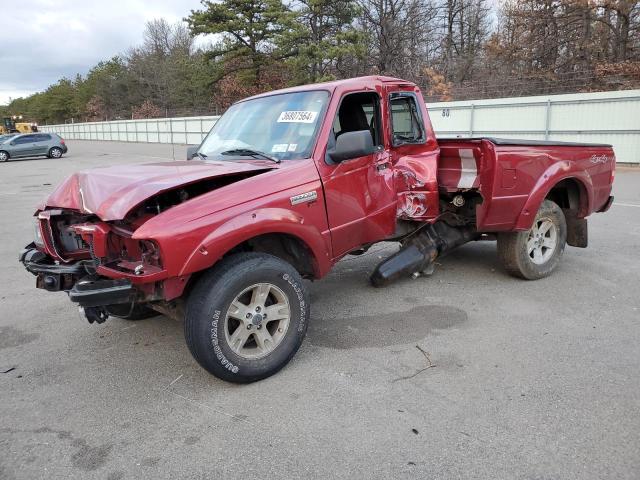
{"type": "Point", "coordinates": [251, 32]}
{"type": "Point", "coordinates": [326, 42]}
{"type": "Point", "coordinates": [399, 34]}
{"type": "Point", "coordinates": [622, 20]}
{"type": "Point", "coordinates": [146, 110]}
{"type": "Point", "coordinates": [155, 65]}
{"type": "Point", "coordinates": [466, 29]}
{"type": "Point", "coordinates": [95, 109]}
{"type": "Point", "coordinates": [112, 82]}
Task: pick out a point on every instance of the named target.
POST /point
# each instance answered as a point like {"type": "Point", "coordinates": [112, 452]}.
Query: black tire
{"type": "Point", "coordinates": [55, 152]}
{"type": "Point", "coordinates": [4, 156]}
{"type": "Point", "coordinates": [207, 326]}
{"type": "Point", "coordinates": [514, 250]}
{"type": "Point", "coordinates": [138, 312]}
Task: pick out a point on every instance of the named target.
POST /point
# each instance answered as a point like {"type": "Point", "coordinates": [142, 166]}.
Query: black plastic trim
{"type": "Point", "coordinates": [99, 292]}
{"type": "Point", "coordinates": [35, 262]}
{"type": "Point", "coordinates": [512, 141]}
{"type": "Point", "coordinates": [607, 205]}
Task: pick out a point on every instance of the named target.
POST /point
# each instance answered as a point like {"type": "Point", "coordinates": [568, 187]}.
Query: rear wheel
{"type": "Point", "coordinates": [4, 156]}
{"type": "Point", "coordinates": [247, 317]}
{"type": "Point", "coordinates": [535, 253]}
{"type": "Point", "coordinates": [55, 152]}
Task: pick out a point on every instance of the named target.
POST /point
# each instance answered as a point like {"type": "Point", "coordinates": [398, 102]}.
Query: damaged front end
{"type": "Point", "coordinates": [85, 242]}
{"type": "Point", "coordinates": [97, 263]}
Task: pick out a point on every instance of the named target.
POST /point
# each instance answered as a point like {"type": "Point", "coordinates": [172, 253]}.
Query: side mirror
{"type": "Point", "coordinates": [191, 152]}
{"type": "Point", "coordinates": [352, 145]}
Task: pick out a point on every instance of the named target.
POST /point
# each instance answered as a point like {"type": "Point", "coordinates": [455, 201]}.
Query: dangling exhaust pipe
{"type": "Point", "coordinates": [420, 250]}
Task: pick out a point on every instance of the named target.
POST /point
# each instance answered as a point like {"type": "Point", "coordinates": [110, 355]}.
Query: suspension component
{"type": "Point", "coordinates": [458, 201]}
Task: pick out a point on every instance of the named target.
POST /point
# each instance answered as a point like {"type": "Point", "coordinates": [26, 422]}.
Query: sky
{"type": "Point", "coordinates": [45, 40]}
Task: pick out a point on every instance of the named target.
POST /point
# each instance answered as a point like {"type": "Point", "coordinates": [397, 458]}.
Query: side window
{"type": "Point", "coordinates": [42, 137]}
{"type": "Point", "coordinates": [359, 111]}
{"type": "Point", "coordinates": [406, 120]}
{"type": "Point", "coordinates": [25, 139]}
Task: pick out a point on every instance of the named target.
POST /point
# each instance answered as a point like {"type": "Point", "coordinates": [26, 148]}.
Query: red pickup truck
{"type": "Point", "coordinates": [285, 185]}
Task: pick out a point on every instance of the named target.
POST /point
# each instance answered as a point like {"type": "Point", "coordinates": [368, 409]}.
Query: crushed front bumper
{"type": "Point", "coordinates": [36, 262]}
{"type": "Point", "coordinates": [50, 275]}
{"type": "Point", "coordinates": [83, 286]}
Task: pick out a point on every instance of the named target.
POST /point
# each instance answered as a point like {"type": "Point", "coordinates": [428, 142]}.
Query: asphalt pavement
{"type": "Point", "coordinates": [467, 374]}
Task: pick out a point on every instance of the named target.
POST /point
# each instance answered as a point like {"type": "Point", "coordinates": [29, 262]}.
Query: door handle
{"type": "Point", "coordinates": [382, 166]}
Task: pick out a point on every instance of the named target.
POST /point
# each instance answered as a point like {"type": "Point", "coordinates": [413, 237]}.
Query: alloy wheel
{"type": "Point", "coordinates": [257, 320]}
{"type": "Point", "coordinates": [542, 241]}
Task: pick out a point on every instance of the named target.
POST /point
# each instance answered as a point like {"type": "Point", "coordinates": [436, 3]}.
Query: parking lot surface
{"type": "Point", "coordinates": [467, 374]}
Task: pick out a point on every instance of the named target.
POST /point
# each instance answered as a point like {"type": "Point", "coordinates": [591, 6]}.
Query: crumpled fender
{"type": "Point", "coordinates": [259, 222]}
{"type": "Point", "coordinates": [556, 173]}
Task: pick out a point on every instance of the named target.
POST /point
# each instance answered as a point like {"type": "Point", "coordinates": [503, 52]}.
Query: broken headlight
{"type": "Point", "coordinates": [37, 234]}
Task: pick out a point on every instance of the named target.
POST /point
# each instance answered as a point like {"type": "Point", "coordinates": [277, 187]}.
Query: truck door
{"type": "Point", "coordinates": [414, 154]}
{"type": "Point", "coordinates": [359, 192]}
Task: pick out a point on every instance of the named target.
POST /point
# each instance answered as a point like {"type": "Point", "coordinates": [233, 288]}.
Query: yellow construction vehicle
{"type": "Point", "coordinates": [15, 125]}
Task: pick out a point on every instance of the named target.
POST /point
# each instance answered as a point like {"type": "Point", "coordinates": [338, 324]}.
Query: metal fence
{"type": "Point", "coordinates": [185, 130]}
{"type": "Point", "coordinates": [601, 117]}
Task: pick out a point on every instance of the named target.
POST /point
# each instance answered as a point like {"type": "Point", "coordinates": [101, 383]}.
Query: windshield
{"type": "Point", "coordinates": [282, 126]}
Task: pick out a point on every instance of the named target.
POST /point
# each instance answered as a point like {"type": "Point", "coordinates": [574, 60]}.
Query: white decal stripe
{"type": "Point", "coordinates": [468, 170]}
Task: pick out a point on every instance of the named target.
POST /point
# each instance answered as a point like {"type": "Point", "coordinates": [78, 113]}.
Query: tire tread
{"type": "Point", "coordinates": [510, 246]}
{"type": "Point", "coordinates": [197, 305]}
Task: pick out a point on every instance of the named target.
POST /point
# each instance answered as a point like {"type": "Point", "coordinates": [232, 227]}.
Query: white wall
{"type": "Point", "coordinates": [601, 117]}
{"type": "Point", "coordinates": [185, 130]}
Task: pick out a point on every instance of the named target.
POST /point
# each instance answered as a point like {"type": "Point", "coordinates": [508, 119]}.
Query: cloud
{"type": "Point", "coordinates": [50, 39]}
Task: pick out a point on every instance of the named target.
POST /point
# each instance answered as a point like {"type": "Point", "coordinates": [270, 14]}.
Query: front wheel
{"type": "Point", "coordinates": [535, 253]}
{"type": "Point", "coordinates": [247, 317]}
{"type": "Point", "coordinates": [4, 156]}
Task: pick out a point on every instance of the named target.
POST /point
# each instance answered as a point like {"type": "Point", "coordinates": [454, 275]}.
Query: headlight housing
{"type": "Point", "coordinates": [37, 234]}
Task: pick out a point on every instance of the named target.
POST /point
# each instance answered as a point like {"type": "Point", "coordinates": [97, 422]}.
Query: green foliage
{"type": "Point", "coordinates": [252, 33]}
{"type": "Point", "coordinates": [325, 39]}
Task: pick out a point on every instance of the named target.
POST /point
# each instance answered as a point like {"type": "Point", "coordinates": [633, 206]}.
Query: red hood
{"type": "Point", "coordinates": [111, 192]}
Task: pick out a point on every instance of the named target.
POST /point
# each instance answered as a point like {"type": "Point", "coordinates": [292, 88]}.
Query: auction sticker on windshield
{"type": "Point", "coordinates": [297, 116]}
{"type": "Point", "coordinates": [280, 147]}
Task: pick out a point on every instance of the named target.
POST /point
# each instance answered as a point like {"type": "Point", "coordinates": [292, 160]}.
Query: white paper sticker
{"type": "Point", "coordinates": [279, 147]}
{"type": "Point", "coordinates": [292, 147]}
{"type": "Point", "coordinates": [297, 116]}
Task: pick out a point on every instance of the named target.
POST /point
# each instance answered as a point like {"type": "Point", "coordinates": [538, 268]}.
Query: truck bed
{"type": "Point", "coordinates": [514, 176]}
